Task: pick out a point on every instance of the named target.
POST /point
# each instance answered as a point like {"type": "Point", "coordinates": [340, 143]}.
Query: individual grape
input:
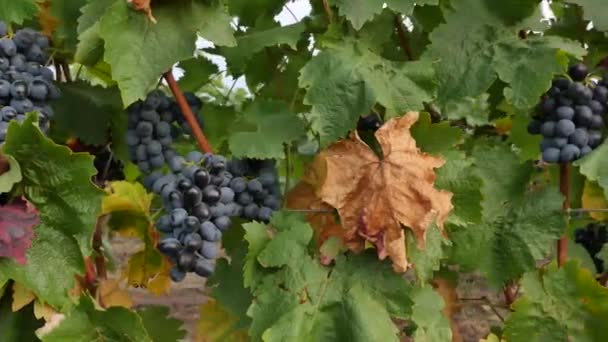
{"type": "Point", "coordinates": [580, 137]}
{"type": "Point", "coordinates": [184, 185]}
{"type": "Point", "coordinates": [193, 242]}
{"type": "Point", "coordinates": [267, 179]}
{"type": "Point", "coordinates": [211, 194]}
{"type": "Point", "coordinates": [370, 122]}
{"type": "Point", "coordinates": [564, 100]}
{"type": "Point", "coordinates": [583, 116]}
{"type": "Point", "coordinates": [194, 157]}
{"type": "Point", "coordinates": [19, 62]}
{"type": "Point", "coordinates": [144, 129]}
{"type": "Point", "coordinates": [192, 223]}
{"type": "Point", "coordinates": [551, 155]}
{"type": "Point", "coordinates": [600, 93]}
{"type": "Point", "coordinates": [226, 195]}
{"type": "Point", "coordinates": [595, 138]}
{"type": "Point", "coordinates": [596, 107]}
{"type": "Point", "coordinates": [3, 29]}
{"type": "Point", "coordinates": [170, 246]}
{"type": "Point", "coordinates": [559, 142]}
{"type": "Point", "coordinates": [186, 260]}
{"type": "Point", "coordinates": [150, 179]}
{"type": "Point", "coordinates": [166, 142]}
{"type": "Point", "coordinates": [8, 47]}
{"type": "Point", "coordinates": [265, 214]}
{"type": "Point", "coordinates": [548, 129]}
{"type": "Point", "coordinates": [209, 250]}
{"type": "Point", "coordinates": [585, 150]}
{"type": "Point", "coordinates": [564, 128]}
{"type": "Point", "coordinates": [204, 268]}
{"type": "Point", "coordinates": [201, 211]}
{"type": "Point", "coordinates": [156, 162]}
{"type": "Point", "coordinates": [163, 129]}
{"type": "Point", "coordinates": [164, 224]}
{"type": "Point", "coordinates": [244, 198]}
{"type": "Point", "coordinates": [564, 112]}
{"type": "Point", "coordinates": [143, 166]}
{"type": "Point", "coordinates": [8, 113]}
{"type": "Point", "coordinates": [178, 216]}
{"type": "Point", "coordinates": [254, 186]}
{"type": "Point", "coordinates": [210, 232]}
{"type": "Point", "coordinates": [141, 152]}
{"type": "Point", "coordinates": [217, 210]}
{"type": "Point", "coordinates": [192, 197]}
{"type": "Point", "coordinates": [22, 106]}
{"type": "Point", "coordinates": [154, 148]}
{"type": "Point", "coordinates": [223, 223]}
{"type": "Point", "coordinates": [202, 178]}
{"type": "Point", "coordinates": [177, 275]}
{"type": "Point", "coordinates": [596, 122]}
{"type": "Point", "coordinates": [576, 90]}
{"type": "Point", "coordinates": [150, 115]}
{"type": "Point", "coordinates": [578, 71]}
{"type": "Point", "coordinates": [238, 184]}
{"type": "Point", "coordinates": [5, 88]}
{"type": "Point", "coordinates": [251, 211]}
{"type": "Point", "coordinates": [561, 83]}
{"type": "Point", "coordinates": [132, 138]}
{"type": "Point", "coordinates": [569, 153]}
{"type": "Point", "coordinates": [177, 163]}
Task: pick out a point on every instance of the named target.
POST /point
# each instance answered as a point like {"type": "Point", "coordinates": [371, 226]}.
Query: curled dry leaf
{"type": "Point", "coordinates": [144, 6]}
{"type": "Point", "coordinates": [374, 196]}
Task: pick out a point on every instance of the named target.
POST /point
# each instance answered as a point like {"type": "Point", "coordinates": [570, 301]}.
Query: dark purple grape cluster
{"type": "Point", "coordinates": [153, 125]}
{"type": "Point", "coordinates": [593, 237]}
{"type": "Point", "coordinates": [26, 84]}
{"type": "Point", "coordinates": [256, 188]}
{"type": "Point", "coordinates": [571, 117]}
{"type": "Point", "coordinates": [198, 208]}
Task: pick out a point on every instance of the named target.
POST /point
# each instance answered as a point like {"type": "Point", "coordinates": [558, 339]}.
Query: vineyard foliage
{"type": "Point", "coordinates": [399, 133]}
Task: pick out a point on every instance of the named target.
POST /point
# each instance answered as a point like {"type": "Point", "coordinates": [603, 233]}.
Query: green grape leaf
{"type": "Point", "coordinates": [603, 254]}
{"type": "Point", "coordinates": [228, 286]}
{"type": "Point", "coordinates": [218, 123]}
{"type": "Point", "coordinates": [475, 110]}
{"type": "Point", "coordinates": [512, 12]}
{"type": "Point", "coordinates": [65, 12]}
{"type": "Point", "coordinates": [196, 73]}
{"type": "Point", "coordinates": [435, 138]}
{"type": "Point", "coordinates": [431, 324]}
{"type": "Point", "coordinates": [10, 177]}
{"type": "Point", "coordinates": [559, 304]}
{"type": "Point", "coordinates": [256, 135]}
{"type": "Point", "coordinates": [257, 39]}
{"type": "Point", "coordinates": [594, 166]}
{"type": "Point", "coordinates": [102, 105]}
{"type": "Point", "coordinates": [458, 176]}
{"type": "Point", "coordinates": [250, 12]}
{"type": "Point", "coordinates": [509, 244]}
{"type": "Point", "coordinates": [488, 50]}
{"type": "Point", "coordinates": [139, 50]}
{"type": "Point", "coordinates": [504, 178]}
{"type": "Point", "coordinates": [345, 82]}
{"type": "Point", "coordinates": [214, 24]}
{"type": "Point", "coordinates": [358, 12]}
{"type": "Point", "coordinates": [18, 11]}
{"type": "Point", "coordinates": [69, 204]}
{"type": "Point", "coordinates": [298, 299]}
{"type": "Point", "coordinates": [91, 13]}
{"type": "Point", "coordinates": [85, 322]}
{"type": "Point", "coordinates": [427, 260]}
{"type": "Point", "coordinates": [17, 326]}
{"type": "Point", "coordinates": [527, 143]}
{"type": "Point", "coordinates": [90, 48]}
{"type": "Point", "coordinates": [159, 325]}
{"type": "Point", "coordinates": [594, 10]}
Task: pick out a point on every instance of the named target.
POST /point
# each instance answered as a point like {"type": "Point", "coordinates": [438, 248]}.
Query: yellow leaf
{"type": "Point", "coordinates": [125, 196]}
{"type": "Point", "coordinates": [217, 324]}
{"type": "Point", "coordinates": [43, 311]}
{"type": "Point", "coordinates": [161, 283]}
{"type": "Point", "coordinates": [593, 198]}
{"type": "Point", "coordinates": [21, 297]}
{"type": "Point", "coordinates": [109, 293]}
{"type": "Point", "coordinates": [148, 269]}
{"type": "Point", "coordinates": [374, 196]}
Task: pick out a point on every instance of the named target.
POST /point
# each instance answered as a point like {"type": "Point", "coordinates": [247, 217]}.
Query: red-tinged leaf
{"type": "Point", "coordinates": [16, 230]}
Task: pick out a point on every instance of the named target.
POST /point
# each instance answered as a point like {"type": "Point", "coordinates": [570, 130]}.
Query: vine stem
{"type": "Point", "coordinates": [183, 105]}
{"type": "Point", "coordinates": [328, 11]}
{"type": "Point", "coordinates": [403, 38]}
{"type": "Point", "coordinates": [564, 188]}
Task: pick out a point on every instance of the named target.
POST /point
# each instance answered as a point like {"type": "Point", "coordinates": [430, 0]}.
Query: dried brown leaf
{"type": "Point", "coordinates": [374, 196]}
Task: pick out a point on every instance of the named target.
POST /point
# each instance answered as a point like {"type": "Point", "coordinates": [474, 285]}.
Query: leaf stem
{"type": "Point", "coordinates": [100, 260]}
{"type": "Point", "coordinates": [188, 115]}
{"type": "Point", "coordinates": [564, 187]}
{"type": "Point", "coordinates": [403, 37]}
{"type": "Point", "coordinates": [66, 71]}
